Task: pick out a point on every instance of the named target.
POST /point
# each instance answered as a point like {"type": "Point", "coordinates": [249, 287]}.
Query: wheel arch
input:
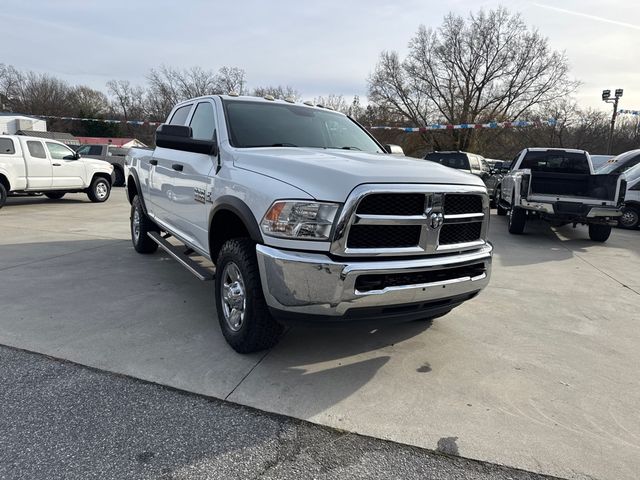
{"type": "Point", "coordinates": [231, 218]}
{"type": "Point", "coordinates": [4, 180]}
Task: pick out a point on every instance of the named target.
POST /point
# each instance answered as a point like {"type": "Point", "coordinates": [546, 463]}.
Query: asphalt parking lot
{"type": "Point", "coordinates": [539, 372]}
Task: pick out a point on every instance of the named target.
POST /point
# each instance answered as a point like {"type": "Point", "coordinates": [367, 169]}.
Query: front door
{"type": "Point", "coordinates": [68, 171]}
{"type": "Point", "coordinates": [192, 186]}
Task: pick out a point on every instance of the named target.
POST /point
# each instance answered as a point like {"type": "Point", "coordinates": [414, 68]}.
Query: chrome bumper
{"type": "Point", "coordinates": [314, 284]}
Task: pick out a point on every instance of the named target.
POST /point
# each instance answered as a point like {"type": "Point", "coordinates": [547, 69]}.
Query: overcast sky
{"type": "Point", "coordinates": [323, 47]}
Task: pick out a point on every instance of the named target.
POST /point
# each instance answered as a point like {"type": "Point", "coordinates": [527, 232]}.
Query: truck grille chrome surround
{"type": "Point", "coordinates": [418, 219]}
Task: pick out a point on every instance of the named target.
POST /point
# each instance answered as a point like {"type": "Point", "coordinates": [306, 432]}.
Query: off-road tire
{"type": "Point", "coordinates": [94, 191]}
{"type": "Point", "coordinates": [517, 220]}
{"type": "Point", "coordinates": [118, 177]}
{"type": "Point", "coordinates": [3, 195]}
{"type": "Point", "coordinates": [54, 195]}
{"type": "Point", "coordinates": [599, 233]}
{"type": "Point", "coordinates": [630, 217]}
{"type": "Point", "coordinates": [258, 330]}
{"type": "Point", "coordinates": [141, 241]}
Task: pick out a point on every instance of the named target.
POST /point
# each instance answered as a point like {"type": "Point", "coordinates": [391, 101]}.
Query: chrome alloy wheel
{"type": "Point", "coordinates": [136, 225]}
{"type": "Point", "coordinates": [629, 218]}
{"type": "Point", "coordinates": [234, 299]}
{"type": "Point", "coordinates": [101, 190]}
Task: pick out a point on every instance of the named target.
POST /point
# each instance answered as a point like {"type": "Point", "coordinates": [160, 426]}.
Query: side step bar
{"type": "Point", "coordinates": [179, 254]}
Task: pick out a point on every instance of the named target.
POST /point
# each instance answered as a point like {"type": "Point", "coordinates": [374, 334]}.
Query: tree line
{"type": "Point", "coordinates": [487, 66]}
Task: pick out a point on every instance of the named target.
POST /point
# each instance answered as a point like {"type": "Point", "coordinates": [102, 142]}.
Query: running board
{"type": "Point", "coordinates": [178, 253]}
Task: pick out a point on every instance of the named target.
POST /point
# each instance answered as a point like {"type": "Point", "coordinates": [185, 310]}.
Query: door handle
{"type": "Point", "coordinates": [57, 164]}
{"type": "Point", "coordinates": [177, 167]}
{"type": "Point", "coordinates": [153, 162]}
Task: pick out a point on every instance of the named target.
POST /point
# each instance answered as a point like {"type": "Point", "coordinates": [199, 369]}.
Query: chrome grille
{"type": "Point", "coordinates": [387, 220]}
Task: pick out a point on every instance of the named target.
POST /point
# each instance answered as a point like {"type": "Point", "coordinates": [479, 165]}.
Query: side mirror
{"type": "Point", "coordinates": [77, 156]}
{"type": "Point", "coordinates": [394, 149]}
{"type": "Point", "coordinates": [180, 137]}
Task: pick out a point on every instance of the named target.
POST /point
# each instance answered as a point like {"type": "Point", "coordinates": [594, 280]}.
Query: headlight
{"type": "Point", "coordinates": [300, 220]}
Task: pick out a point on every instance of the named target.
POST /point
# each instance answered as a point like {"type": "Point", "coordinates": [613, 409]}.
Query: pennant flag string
{"type": "Point", "coordinates": [629, 112]}
{"type": "Point", "coordinates": [462, 126]}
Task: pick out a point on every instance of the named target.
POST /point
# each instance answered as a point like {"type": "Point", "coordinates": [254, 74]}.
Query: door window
{"type": "Point", "coordinates": [36, 149]}
{"type": "Point", "coordinates": [6, 146]}
{"type": "Point", "coordinates": [180, 115]}
{"type": "Point", "coordinates": [60, 152]}
{"type": "Point", "coordinates": [95, 150]}
{"type": "Point", "coordinates": [202, 122]}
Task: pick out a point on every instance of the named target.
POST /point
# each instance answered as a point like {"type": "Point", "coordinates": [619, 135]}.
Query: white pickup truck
{"type": "Point", "coordinates": [31, 164]}
{"type": "Point", "coordinates": [560, 186]}
{"type": "Point", "coordinates": [306, 217]}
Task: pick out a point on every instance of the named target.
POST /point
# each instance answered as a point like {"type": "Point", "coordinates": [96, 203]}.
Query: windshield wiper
{"type": "Point", "coordinates": [283, 145]}
{"type": "Point", "coordinates": [351, 148]}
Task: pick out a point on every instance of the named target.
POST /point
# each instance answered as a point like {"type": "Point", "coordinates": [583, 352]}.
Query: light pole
{"type": "Point", "coordinates": [606, 96]}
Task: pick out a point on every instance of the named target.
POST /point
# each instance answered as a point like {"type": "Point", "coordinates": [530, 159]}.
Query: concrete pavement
{"type": "Point", "coordinates": [539, 372]}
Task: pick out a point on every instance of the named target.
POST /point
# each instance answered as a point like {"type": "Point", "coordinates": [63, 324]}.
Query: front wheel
{"type": "Point", "coordinates": [599, 233]}
{"type": "Point", "coordinates": [54, 195]}
{"type": "Point", "coordinates": [630, 217]}
{"type": "Point", "coordinates": [99, 190]}
{"type": "Point", "coordinates": [243, 314]}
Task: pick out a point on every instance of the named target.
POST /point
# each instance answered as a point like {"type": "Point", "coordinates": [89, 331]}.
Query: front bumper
{"type": "Point", "coordinates": [299, 284]}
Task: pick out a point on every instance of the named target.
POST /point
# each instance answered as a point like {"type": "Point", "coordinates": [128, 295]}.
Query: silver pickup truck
{"type": "Point", "coordinates": [560, 186]}
{"type": "Point", "coordinates": [306, 217]}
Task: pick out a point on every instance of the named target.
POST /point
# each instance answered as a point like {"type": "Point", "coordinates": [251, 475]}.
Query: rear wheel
{"type": "Point", "coordinates": [243, 314]}
{"type": "Point", "coordinates": [501, 210]}
{"type": "Point", "coordinates": [118, 180]}
{"type": "Point", "coordinates": [599, 233]}
{"type": "Point", "coordinates": [54, 195]}
{"type": "Point", "coordinates": [3, 195]}
{"type": "Point", "coordinates": [141, 225]}
{"type": "Point", "coordinates": [630, 217]}
{"type": "Point", "coordinates": [517, 218]}
{"type": "Point", "coordinates": [99, 190]}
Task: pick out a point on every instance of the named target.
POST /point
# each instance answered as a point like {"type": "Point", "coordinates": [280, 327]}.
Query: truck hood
{"type": "Point", "coordinates": [330, 175]}
{"type": "Point", "coordinates": [96, 164]}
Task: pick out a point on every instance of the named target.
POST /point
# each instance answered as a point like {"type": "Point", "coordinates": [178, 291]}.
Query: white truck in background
{"type": "Point", "coordinates": [560, 186]}
{"type": "Point", "coordinates": [31, 164]}
{"type": "Point", "coordinates": [306, 217]}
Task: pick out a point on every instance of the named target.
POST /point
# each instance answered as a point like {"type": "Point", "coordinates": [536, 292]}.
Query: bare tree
{"type": "Point", "coordinates": [168, 86]}
{"type": "Point", "coordinates": [36, 94]}
{"type": "Point", "coordinates": [128, 99]}
{"type": "Point", "coordinates": [280, 91]}
{"type": "Point", "coordinates": [87, 102]}
{"type": "Point", "coordinates": [337, 102]}
{"type": "Point", "coordinates": [487, 67]}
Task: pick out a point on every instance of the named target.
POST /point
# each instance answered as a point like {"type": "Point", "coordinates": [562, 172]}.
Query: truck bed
{"type": "Point", "coordinates": [586, 186]}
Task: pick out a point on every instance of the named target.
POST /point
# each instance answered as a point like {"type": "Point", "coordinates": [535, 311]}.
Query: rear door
{"type": "Point", "coordinates": [39, 170]}
{"type": "Point", "coordinates": [68, 172]}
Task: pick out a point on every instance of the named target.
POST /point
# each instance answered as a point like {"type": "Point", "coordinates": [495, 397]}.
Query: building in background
{"type": "Point", "coordinates": [114, 141]}
{"type": "Point", "coordinates": [11, 123]}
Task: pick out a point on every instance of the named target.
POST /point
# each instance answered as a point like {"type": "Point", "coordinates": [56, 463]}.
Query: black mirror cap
{"type": "Point", "coordinates": [180, 137]}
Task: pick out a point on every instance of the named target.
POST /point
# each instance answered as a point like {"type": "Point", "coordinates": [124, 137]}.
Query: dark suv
{"type": "Point", "coordinates": [469, 162]}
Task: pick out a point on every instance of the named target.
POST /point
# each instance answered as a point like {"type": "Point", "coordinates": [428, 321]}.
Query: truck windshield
{"type": "Point", "coordinates": [556, 161]}
{"type": "Point", "coordinates": [260, 124]}
{"type": "Point", "coordinates": [450, 159]}
{"type": "Point", "coordinates": [621, 163]}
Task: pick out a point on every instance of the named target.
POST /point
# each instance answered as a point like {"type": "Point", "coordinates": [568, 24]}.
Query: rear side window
{"type": "Point", "coordinates": [7, 147]}
{"type": "Point", "coordinates": [620, 163]}
{"type": "Point", "coordinates": [556, 161]}
{"type": "Point", "coordinates": [453, 160]}
{"type": "Point", "coordinates": [180, 115]}
{"type": "Point", "coordinates": [202, 122]}
{"type": "Point", "coordinates": [36, 149]}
